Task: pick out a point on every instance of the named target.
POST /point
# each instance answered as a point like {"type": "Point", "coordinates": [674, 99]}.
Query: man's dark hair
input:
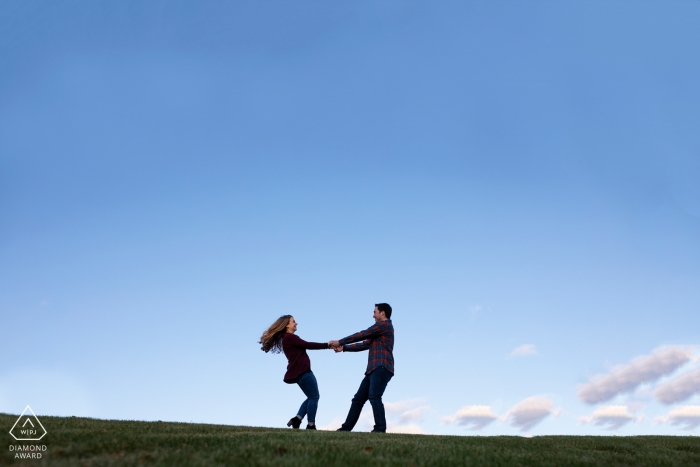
{"type": "Point", "coordinates": [385, 307]}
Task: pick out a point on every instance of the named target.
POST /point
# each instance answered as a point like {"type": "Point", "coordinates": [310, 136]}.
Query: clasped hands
{"type": "Point", "coordinates": [335, 345]}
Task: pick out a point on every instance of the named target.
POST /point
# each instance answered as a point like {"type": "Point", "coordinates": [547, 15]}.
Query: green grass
{"type": "Point", "coordinates": [90, 442]}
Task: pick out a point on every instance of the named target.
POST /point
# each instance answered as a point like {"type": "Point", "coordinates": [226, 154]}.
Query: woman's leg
{"type": "Point", "coordinates": [307, 383]}
{"type": "Point", "coordinates": [302, 410]}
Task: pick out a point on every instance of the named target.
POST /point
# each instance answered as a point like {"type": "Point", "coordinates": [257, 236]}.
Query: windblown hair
{"type": "Point", "coordinates": [272, 338]}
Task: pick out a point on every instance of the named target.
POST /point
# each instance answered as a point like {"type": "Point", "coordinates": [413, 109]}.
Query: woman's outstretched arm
{"type": "Point", "coordinates": [296, 341]}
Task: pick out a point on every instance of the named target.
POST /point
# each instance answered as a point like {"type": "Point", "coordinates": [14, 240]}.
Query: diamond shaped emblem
{"type": "Point", "coordinates": [28, 427]}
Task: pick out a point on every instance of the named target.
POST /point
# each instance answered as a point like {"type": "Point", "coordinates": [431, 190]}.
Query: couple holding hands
{"type": "Point", "coordinates": [378, 338]}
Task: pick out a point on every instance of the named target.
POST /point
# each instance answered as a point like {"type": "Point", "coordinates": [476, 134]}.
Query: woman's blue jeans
{"type": "Point", "coordinates": [307, 383]}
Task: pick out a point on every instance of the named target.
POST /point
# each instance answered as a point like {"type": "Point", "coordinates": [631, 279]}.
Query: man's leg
{"type": "Point", "coordinates": [378, 380]}
{"type": "Point", "coordinates": [356, 407]}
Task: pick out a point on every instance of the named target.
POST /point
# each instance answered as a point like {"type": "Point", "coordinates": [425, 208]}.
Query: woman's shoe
{"type": "Point", "coordinates": [310, 427]}
{"type": "Point", "coordinates": [295, 422]}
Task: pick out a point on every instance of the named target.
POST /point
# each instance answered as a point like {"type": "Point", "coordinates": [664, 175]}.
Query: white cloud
{"type": "Point", "coordinates": [529, 412]}
{"type": "Point", "coordinates": [524, 350]}
{"type": "Point", "coordinates": [610, 416]}
{"type": "Point", "coordinates": [688, 415]}
{"type": "Point", "coordinates": [680, 388]}
{"type": "Point", "coordinates": [642, 369]}
{"type": "Point", "coordinates": [413, 415]}
{"type": "Point", "coordinates": [366, 421]}
{"type": "Point", "coordinates": [402, 416]}
{"type": "Point", "coordinates": [333, 425]}
{"type": "Point", "coordinates": [475, 417]}
{"type": "Point", "coordinates": [394, 408]}
{"type": "Point", "coordinates": [411, 428]}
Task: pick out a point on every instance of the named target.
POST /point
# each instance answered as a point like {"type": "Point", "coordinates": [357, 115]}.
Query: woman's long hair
{"type": "Point", "coordinates": [272, 338]}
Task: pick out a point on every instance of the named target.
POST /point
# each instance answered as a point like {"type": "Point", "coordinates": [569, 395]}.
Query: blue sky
{"type": "Point", "coordinates": [175, 176]}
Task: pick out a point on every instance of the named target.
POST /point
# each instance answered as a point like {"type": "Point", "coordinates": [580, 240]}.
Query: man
{"type": "Point", "coordinates": [379, 339]}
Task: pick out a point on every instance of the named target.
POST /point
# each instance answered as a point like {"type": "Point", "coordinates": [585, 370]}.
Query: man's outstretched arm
{"type": "Point", "coordinates": [373, 331]}
{"type": "Point", "coordinates": [359, 347]}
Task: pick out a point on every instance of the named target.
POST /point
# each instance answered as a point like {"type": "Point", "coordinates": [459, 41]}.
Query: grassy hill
{"type": "Point", "coordinates": [90, 442]}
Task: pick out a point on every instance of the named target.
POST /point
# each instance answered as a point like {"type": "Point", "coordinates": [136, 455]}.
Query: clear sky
{"type": "Point", "coordinates": [519, 180]}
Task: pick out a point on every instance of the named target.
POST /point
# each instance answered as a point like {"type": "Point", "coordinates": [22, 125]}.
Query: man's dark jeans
{"type": "Point", "coordinates": [372, 388]}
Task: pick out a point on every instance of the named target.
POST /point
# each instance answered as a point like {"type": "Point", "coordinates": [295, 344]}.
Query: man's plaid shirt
{"type": "Point", "coordinates": [379, 339]}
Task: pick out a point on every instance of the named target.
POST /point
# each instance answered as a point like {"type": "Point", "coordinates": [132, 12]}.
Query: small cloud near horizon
{"type": "Point", "coordinates": [529, 412]}
{"type": "Point", "coordinates": [474, 417]}
{"type": "Point", "coordinates": [416, 414]}
{"type": "Point", "coordinates": [687, 417]}
{"type": "Point", "coordinates": [404, 416]}
{"type": "Point", "coordinates": [410, 429]}
{"type": "Point", "coordinates": [612, 417]}
{"type": "Point", "coordinates": [333, 425]}
{"type": "Point", "coordinates": [402, 406]}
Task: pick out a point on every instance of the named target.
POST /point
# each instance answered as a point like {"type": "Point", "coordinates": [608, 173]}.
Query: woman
{"type": "Point", "coordinates": [280, 336]}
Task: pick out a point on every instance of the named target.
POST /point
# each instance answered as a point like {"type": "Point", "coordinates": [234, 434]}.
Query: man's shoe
{"type": "Point", "coordinates": [342, 429]}
{"type": "Point", "coordinates": [310, 427]}
{"type": "Point", "coordinates": [295, 422]}
{"type": "Point", "coordinates": [377, 431]}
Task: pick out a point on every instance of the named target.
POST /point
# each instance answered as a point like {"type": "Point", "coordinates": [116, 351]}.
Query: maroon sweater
{"type": "Point", "coordinates": [295, 349]}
